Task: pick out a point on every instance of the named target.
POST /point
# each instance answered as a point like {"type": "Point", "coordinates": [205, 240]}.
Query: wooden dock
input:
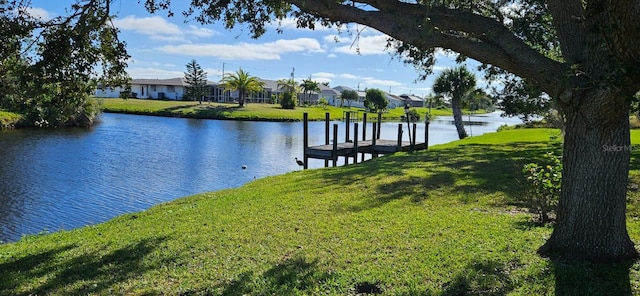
{"type": "Point", "coordinates": [351, 148]}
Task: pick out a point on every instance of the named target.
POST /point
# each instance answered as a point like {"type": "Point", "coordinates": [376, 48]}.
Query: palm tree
{"type": "Point", "coordinates": [309, 86]}
{"type": "Point", "coordinates": [456, 83]}
{"type": "Point", "coordinates": [288, 85]}
{"type": "Point", "coordinates": [243, 83]}
{"type": "Point", "coordinates": [290, 91]}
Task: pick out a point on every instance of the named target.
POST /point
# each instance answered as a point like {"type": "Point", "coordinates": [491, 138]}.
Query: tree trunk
{"type": "Point", "coordinates": [591, 220]}
{"type": "Point", "coordinates": [241, 98]}
{"type": "Point", "coordinates": [456, 105]}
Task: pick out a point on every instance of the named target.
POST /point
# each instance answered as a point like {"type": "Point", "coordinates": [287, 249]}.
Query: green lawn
{"type": "Point", "coordinates": [268, 112]}
{"type": "Point", "coordinates": [447, 221]}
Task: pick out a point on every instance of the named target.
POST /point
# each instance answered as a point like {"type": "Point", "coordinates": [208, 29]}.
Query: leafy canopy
{"type": "Point", "coordinates": [375, 100]}
{"type": "Point", "coordinates": [242, 82]}
{"type": "Point", "coordinates": [50, 67]}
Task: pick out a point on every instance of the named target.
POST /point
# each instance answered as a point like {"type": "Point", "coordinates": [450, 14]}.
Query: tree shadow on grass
{"type": "Point", "coordinates": [61, 271]}
{"type": "Point", "coordinates": [285, 278]}
{"type": "Point", "coordinates": [592, 279]}
{"type": "Point", "coordinates": [216, 112]}
{"type": "Point", "coordinates": [482, 278]}
{"type": "Point", "coordinates": [464, 170]}
{"type": "Point", "coordinates": [496, 278]}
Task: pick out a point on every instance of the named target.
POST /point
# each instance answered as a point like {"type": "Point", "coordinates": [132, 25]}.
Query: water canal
{"type": "Point", "coordinates": [62, 179]}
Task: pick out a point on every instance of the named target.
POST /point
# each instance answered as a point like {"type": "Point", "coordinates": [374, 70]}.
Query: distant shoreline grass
{"type": "Point", "coordinates": [446, 221]}
{"type": "Point", "coordinates": [9, 119]}
{"type": "Point", "coordinates": [251, 111]}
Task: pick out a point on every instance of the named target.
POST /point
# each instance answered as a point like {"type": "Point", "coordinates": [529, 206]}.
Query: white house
{"type": "Point", "coordinates": [163, 89]}
{"type": "Point", "coordinates": [413, 101]}
{"type": "Point", "coordinates": [174, 89]}
{"type": "Point", "coordinates": [329, 94]}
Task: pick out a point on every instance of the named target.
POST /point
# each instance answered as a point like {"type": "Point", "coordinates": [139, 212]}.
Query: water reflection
{"type": "Point", "coordinates": [62, 179]}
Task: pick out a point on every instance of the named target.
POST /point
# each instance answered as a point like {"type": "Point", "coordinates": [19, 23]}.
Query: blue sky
{"type": "Point", "coordinates": [160, 47]}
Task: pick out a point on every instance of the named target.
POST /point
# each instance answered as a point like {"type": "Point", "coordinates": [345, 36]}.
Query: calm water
{"type": "Point", "coordinates": [62, 179]}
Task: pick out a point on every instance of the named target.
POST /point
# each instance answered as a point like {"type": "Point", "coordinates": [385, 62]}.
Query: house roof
{"type": "Point", "coordinates": [325, 90]}
{"type": "Point", "coordinates": [340, 88]}
{"type": "Point", "coordinates": [412, 98]}
{"type": "Point", "coordinates": [270, 84]}
{"type": "Point", "coordinates": [171, 81]}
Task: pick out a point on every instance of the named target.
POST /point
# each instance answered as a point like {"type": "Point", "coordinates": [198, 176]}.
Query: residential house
{"type": "Point", "coordinates": [174, 89]}
{"type": "Point", "coordinates": [163, 89]}
{"type": "Point", "coordinates": [413, 101]}
{"type": "Point", "coordinates": [332, 95]}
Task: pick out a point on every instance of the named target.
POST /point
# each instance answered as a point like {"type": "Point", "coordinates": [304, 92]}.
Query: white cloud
{"type": "Point", "coordinates": [348, 76]}
{"type": "Point", "coordinates": [337, 39]}
{"type": "Point", "coordinates": [151, 26]}
{"type": "Point", "coordinates": [38, 13]}
{"type": "Point", "coordinates": [381, 83]}
{"type": "Point", "coordinates": [332, 55]}
{"type": "Point", "coordinates": [323, 75]}
{"type": "Point", "coordinates": [158, 28]}
{"type": "Point", "coordinates": [246, 51]}
{"type": "Point", "coordinates": [201, 32]}
{"type": "Point", "coordinates": [365, 45]}
{"type": "Point", "coordinates": [152, 73]}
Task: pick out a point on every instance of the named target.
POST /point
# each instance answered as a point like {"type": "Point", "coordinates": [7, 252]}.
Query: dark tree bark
{"type": "Point", "coordinates": [591, 212]}
{"type": "Point", "coordinates": [456, 105]}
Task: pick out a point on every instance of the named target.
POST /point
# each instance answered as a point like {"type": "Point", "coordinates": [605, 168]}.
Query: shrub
{"type": "Point", "coordinates": [414, 115]}
{"type": "Point", "coordinates": [288, 101]}
{"type": "Point", "coordinates": [544, 186]}
{"type": "Point", "coordinates": [323, 102]}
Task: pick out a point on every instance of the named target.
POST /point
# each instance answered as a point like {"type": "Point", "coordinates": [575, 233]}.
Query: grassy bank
{"type": "Point", "coordinates": [448, 221]}
{"type": "Point", "coordinates": [9, 119]}
{"type": "Point", "coordinates": [265, 112]}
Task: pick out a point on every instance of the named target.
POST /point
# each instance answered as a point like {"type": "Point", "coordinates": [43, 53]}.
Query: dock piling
{"type": "Point", "coordinates": [364, 131]}
{"type": "Point", "coordinates": [305, 155]}
{"type": "Point", "coordinates": [334, 152]}
{"type": "Point", "coordinates": [334, 149]}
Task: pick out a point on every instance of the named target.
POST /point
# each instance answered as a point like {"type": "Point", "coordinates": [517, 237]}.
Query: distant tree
{"type": "Point", "coordinates": [242, 82]}
{"type": "Point", "coordinates": [349, 95]}
{"type": "Point", "coordinates": [456, 83]}
{"type": "Point", "coordinates": [477, 99]}
{"type": "Point", "coordinates": [196, 78]}
{"type": "Point", "coordinates": [375, 100]}
{"type": "Point", "coordinates": [323, 102]}
{"type": "Point", "coordinates": [308, 86]}
{"type": "Point", "coordinates": [521, 99]}
{"type": "Point", "coordinates": [289, 89]}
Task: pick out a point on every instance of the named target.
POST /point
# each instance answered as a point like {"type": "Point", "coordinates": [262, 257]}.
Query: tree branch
{"type": "Point", "coordinates": [569, 19]}
{"type": "Point", "coordinates": [478, 37]}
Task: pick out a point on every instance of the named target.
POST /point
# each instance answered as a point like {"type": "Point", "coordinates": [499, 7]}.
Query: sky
{"type": "Point", "coordinates": [161, 46]}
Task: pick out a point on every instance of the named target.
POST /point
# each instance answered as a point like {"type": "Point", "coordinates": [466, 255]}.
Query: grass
{"type": "Point", "coordinates": [9, 119]}
{"type": "Point", "coordinates": [263, 112]}
{"type": "Point", "coordinates": [447, 221]}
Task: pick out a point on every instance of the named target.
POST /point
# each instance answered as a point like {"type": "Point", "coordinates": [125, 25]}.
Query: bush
{"type": "Point", "coordinates": [323, 102]}
{"type": "Point", "coordinates": [288, 101]}
{"type": "Point", "coordinates": [414, 115]}
{"type": "Point", "coordinates": [544, 186]}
